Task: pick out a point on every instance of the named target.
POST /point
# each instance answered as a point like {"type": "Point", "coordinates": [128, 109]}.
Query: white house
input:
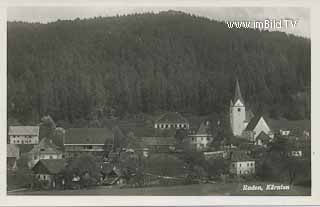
{"type": "Point", "coordinates": [202, 138]}
{"type": "Point", "coordinates": [241, 164]}
{"type": "Point", "coordinates": [171, 120]}
{"type": "Point", "coordinates": [23, 134]}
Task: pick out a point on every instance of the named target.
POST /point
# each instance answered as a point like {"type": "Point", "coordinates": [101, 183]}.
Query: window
{"type": "Point", "coordinates": [167, 126]}
{"type": "Point", "coordinates": [247, 164]}
{"type": "Point", "coordinates": [239, 109]}
{"type": "Point", "coordinates": [50, 157]}
{"type": "Point", "coordinates": [35, 157]}
{"type": "Point", "coordinates": [184, 126]}
{"type": "Point", "coordinates": [240, 171]}
{"type": "Point", "coordinates": [240, 165]}
{"type": "Point", "coordinates": [233, 165]}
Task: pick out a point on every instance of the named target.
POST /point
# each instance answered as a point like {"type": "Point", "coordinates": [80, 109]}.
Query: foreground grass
{"type": "Point", "coordinates": [217, 189]}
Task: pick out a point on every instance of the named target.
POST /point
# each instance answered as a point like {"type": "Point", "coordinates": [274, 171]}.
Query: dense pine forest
{"type": "Point", "coordinates": [146, 63]}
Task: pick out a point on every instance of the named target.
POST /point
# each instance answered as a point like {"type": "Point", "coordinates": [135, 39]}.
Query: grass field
{"type": "Point", "coordinates": [221, 189]}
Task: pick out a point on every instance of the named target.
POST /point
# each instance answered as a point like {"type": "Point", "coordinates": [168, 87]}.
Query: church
{"type": "Point", "coordinates": [243, 122]}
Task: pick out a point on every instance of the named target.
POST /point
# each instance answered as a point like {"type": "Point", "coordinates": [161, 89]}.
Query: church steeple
{"type": "Point", "coordinates": [237, 112]}
{"type": "Point", "coordinates": [237, 95]}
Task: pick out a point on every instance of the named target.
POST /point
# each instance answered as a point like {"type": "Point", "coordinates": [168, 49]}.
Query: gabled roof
{"type": "Point", "coordinates": [237, 94]}
{"type": "Point", "coordinates": [253, 123]}
{"type": "Point", "coordinates": [92, 136]}
{"type": "Point", "coordinates": [172, 117]}
{"type": "Point", "coordinates": [45, 146]}
{"type": "Point", "coordinates": [13, 150]}
{"type": "Point", "coordinates": [157, 141]}
{"type": "Point", "coordinates": [285, 124]}
{"type": "Point", "coordinates": [240, 156]}
{"type": "Point", "coordinates": [152, 132]}
{"type": "Point", "coordinates": [24, 130]}
{"type": "Point", "coordinates": [51, 166]}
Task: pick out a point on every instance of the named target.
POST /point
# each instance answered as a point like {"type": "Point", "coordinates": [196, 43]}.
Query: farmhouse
{"type": "Point", "coordinates": [241, 164]}
{"type": "Point", "coordinates": [46, 149]}
{"type": "Point", "coordinates": [49, 172]}
{"type": "Point", "coordinates": [202, 138]}
{"type": "Point", "coordinates": [88, 141]}
{"type": "Point", "coordinates": [171, 120]}
{"type": "Point", "coordinates": [23, 134]}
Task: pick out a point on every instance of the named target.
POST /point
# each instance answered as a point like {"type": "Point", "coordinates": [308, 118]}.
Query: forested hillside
{"type": "Point", "coordinates": [143, 63]}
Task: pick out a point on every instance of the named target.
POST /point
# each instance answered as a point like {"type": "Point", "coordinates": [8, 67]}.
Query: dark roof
{"type": "Point", "coordinates": [253, 123]}
{"type": "Point", "coordinates": [263, 136]}
{"type": "Point", "coordinates": [249, 114]}
{"type": "Point", "coordinates": [157, 141]}
{"type": "Point", "coordinates": [88, 136]}
{"type": "Point", "coordinates": [152, 132]}
{"type": "Point", "coordinates": [172, 117]}
{"type": "Point", "coordinates": [239, 156]}
{"type": "Point", "coordinates": [52, 166]}
{"type": "Point", "coordinates": [24, 130]}
{"type": "Point", "coordinates": [285, 124]}
{"type": "Point", "coordinates": [237, 94]}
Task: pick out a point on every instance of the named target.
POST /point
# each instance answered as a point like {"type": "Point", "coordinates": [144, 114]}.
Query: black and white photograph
{"type": "Point", "coordinates": [158, 101]}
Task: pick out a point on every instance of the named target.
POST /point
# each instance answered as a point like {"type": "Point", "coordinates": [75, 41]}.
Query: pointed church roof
{"type": "Point", "coordinates": [237, 95]}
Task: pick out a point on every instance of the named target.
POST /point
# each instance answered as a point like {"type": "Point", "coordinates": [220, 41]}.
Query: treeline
{"type": "Point", "coordinates": [143, 63]}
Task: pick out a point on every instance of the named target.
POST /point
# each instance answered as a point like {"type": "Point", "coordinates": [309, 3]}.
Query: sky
{"type": "Point", "coordinates": [50, 14]}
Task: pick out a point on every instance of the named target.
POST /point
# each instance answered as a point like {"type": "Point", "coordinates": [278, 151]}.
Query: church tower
{"type": "Point", "coordinates": [237, 112]}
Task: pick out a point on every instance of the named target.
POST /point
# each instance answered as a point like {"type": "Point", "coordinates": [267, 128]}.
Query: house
{"type": "Point", "coordinates": [49, 172]}
{"type": "Point", "coordinates": [202, 138]}
{"type": "Point", "coordinates": [241, 164]}
{"type": "Point", "coordinates": [13, 154]}
{"type": "Point", "coordinates": [23, 134]}
{"type": "Point", "coordinates": [157, 144]}
{"type": "Point", "coordinates": [171, 120]}
{"type": "Point", "coordinates": [257, 125]}
{"type": "Point", "coordinates": [239, 115]}
{"type": "Point", "coordinates": [46, 149]}
{"type": "Point", "coordinates": [93, 141]}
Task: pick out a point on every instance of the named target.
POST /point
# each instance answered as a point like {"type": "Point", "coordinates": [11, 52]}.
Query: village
{"type": "Point", "coordinates": [171, 149]}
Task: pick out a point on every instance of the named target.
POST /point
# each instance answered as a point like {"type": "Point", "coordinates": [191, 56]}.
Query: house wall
{"type": "Point", "coordinates": [23, 139]}
{"type": "Point", "coordinates": [76, 150]}
{"type": "Point", "coordinates": [242, 167]}
{"type": "Point", "coordinates": [171, 125]}
{"type": "Point", "coordinates": [200, 142]}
